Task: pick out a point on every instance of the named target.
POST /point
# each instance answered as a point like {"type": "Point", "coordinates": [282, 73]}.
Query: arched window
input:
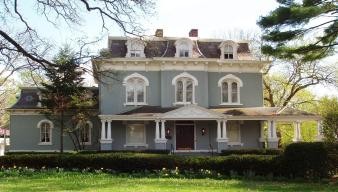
{"type": "Point", "coordinates": [135, 48]}
{"type": "Point", "coordinates": [184, 88]}
{"type": "Point", "coordinates": [85, 132]}
{"type": "Point", "coordinates": [184, 47]}
{"type": "Point", "coordinates": [45, 127]}
{"type": "Point", "coordinates": [136, 89]}
{"type": "Point", "coordinates": [230, 89]}
{"type": "Point", "coordinates": [228, 50]}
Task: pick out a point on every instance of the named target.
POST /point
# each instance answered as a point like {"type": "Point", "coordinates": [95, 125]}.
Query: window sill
{"type": "Point", "coordinates": [184, 103]}
{"type": "Point", "coordinates": [45, 143]}
{"type": "Point", "coordinates": [136, 145]}
{"type": "Point", "coordinates": [231, 104]}
{"type": "Point", "coordinates": [135, 104]}
{"type": "Point", "coordinates": [86, 143]}
{"type": "Point", "coordinates": [235, 144]}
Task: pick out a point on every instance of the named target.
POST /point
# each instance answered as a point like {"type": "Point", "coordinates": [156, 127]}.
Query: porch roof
{"type": "Point", "coordinates": [194, 112]}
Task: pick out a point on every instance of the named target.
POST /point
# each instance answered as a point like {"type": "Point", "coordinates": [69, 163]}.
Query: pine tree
{"type": "Point", "coordinates": [64, 85]}
{"type": "Point", "coordinates": [314, 22]}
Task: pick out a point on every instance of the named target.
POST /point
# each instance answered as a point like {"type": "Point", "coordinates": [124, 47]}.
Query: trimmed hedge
{"type": "Point", "coordinates": [124, 162]}
{"type": "Point", "coordinates": [252, 152]}
{"type": "Point", "coordinates": [305, 160]}
{"type": "Point", "coordinates": [152, 151]}
{"type": "Point", "coordinates": [310, 160]}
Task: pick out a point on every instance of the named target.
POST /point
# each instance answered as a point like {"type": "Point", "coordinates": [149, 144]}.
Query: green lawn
{"type": "Point", "coordinates": [75, 181]}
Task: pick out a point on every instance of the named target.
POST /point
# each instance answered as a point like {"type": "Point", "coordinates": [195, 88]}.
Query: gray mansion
{"type": "Point", "coordinates": [182, 94]}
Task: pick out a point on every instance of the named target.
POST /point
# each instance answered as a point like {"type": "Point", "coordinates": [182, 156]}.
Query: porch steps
{"type": "Point", "coordinates": [195, 153]}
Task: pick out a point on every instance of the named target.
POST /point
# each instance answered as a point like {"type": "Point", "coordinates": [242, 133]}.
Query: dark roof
{"type": "Point", "coordinates": [166, 48]}
{"type": "Point", "coordinates": [149, 109]}
{"type": "Point", "coordinates": [29, 98]}
{"type": "Point", "coordinates": [245, 111]}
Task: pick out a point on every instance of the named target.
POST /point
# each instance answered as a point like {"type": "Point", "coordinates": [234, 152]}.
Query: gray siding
{"type": "Point", "coordinates": [251, 93]}
{"type": "Point", "coordinates": [25, 135]}
{"type": "Point", "coordinates": [161, 92]}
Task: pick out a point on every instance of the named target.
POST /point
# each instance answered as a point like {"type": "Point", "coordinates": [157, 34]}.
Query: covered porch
{"type": "Point", "coordinates": [193, 128]}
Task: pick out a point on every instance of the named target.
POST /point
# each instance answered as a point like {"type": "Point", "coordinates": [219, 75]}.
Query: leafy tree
{"type": "Point", "coordinates": [64, 95]}
{"type": "Point", "coordinates": [23, 44]}
{"type": "Point", "coordinates": [295, 20]}
{"type": "Point", "coordinates": [328, 108]}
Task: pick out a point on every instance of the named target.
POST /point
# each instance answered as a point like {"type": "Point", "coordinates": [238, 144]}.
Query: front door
{"type": "Point", "coordinates": [185, 136]}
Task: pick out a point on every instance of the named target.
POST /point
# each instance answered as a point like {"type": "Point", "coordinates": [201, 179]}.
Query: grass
{"type": "Point", "coordinates": [77, 181]}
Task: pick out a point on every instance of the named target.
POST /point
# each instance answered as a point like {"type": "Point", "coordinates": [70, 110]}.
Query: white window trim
{"type": "Point", "coordinates": [178, 44]}
{"type": "Point", "coordinates": [51, 131]}
{"type": "Point", "coordinates": [146, 81]}
{"type": "Point", "coordinates": [144, 144]}
{"type": "Point", "coordinates": [90, 133]}
{"type": "Point", "coordinates": [234, 46]}
{"type": "Point", "coordinates": [194, 82]}
{"type": "Point", "coordinates": [229, 79]}
{"type": "Point", "coordinates": [139, 43]}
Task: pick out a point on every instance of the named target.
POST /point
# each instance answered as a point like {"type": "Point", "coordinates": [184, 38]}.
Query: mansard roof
{"type": "Point", "coordinates": [165, 47]}
{"type": "Point", "coordinates": [29, 98]}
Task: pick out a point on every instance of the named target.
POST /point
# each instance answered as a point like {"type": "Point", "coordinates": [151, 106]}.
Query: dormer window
{"type": "Point", "coordinates": [228, 50]}
{"type": "Point", "coordinates": [183, 48]}
{"type": "Point", "coordinates": [135, 53]}
{"type": "Point", "coordinates": [135, 48]}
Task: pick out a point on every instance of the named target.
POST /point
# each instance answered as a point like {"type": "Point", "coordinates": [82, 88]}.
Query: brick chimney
{"type": "Point", "coordinates": [193, 33]}
{"type": "Point", "coordinates": [159, 33]}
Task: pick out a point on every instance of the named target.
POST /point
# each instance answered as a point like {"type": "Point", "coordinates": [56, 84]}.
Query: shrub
{"type": "Point", "coordinates": [135, 162]}
{"type": "Point", "coordinates": [154, 151]}
{"type": "Point", "coordinates": [252, 152]}
{"type": "Point", "coordinates": [309, 160]}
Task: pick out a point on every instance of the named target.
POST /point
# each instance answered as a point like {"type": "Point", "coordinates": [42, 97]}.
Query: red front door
{"type": "Point", "coordinates": [185, 136]}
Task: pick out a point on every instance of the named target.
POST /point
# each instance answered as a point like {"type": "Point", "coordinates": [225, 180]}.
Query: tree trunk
{"type": "Point", "coordinates": [61, 131]}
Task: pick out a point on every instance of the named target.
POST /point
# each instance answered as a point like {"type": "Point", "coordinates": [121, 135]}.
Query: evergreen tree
{"type": "Point", "coordinates": [316, 20]}
{"type": "Point", "coordinates": [61, 95]}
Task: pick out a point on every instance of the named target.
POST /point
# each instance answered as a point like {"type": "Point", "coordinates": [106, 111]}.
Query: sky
{"type": "Point", "coordinates": [213, 19]}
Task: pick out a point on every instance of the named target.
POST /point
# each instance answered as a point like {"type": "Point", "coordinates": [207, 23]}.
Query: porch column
{"type": "Point", "coordinates": [106, 140]}
{"type": "Point", "coordinates": [157, 129]}
{"type": "Point", "coordinates": [222, 141]}
{"type": "Point", "coordinates": [109, 130]}
{"type": "Point", "coordinates": [162, 129]}
{"type": "Point", "coordinates": [297, 132]}
{"type": "Point", "coordinates": [160, 140]}
{"type": "Point", "coordinates": [320, 135]}
{"type": "Point", "coordinates": [218, 129]}
{"type": "Point", "coordinates": [262, 134]}
{"type": "Point", "coordinates": [103, 129]}
{"type": "Point", "coordinates": [272, 135]}
{"type": "Point", "coordinates": [224, 129]}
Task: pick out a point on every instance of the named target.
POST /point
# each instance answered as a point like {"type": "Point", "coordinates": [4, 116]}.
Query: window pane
{"type": "Point", "coordinates": [85, 133]}
{"type": "Point", "coordinates": [231, 56]}
{"type": "Point", "coordinates": [225, 98]}
{"type": "Point", "coordinates": [130, 93]}
{"type": "Point", "coordinates": [189, 89]}
{"type": "Point", "coordinates": [184, 53]}
{"type": "Point", "coordinates": [139, 88]}
{"type": "Point", "coordinates": [135, 134]}
{"type": "Point", "coordinates": [226, 56]}
{"type": "Point", "coordinates": [234, 93]}
{"type": "Point", "coordinates": [179, 91]}
{"type": "Point", "coordinates": [45, 132]}
{"type": "Point", "coordinates": [233, 131]}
